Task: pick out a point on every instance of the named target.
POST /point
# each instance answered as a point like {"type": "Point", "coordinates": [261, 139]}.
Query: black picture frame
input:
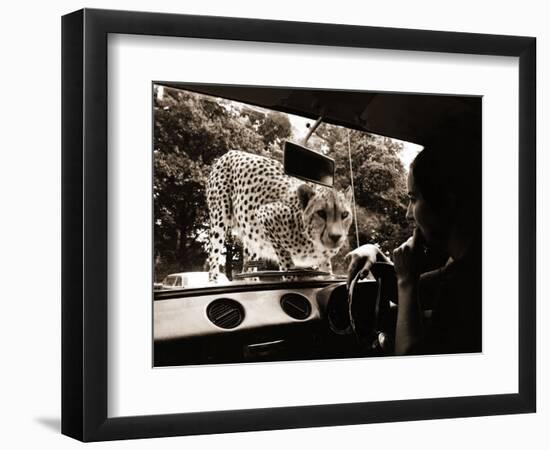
{"type": "Point", "coordinates": [84, 224]}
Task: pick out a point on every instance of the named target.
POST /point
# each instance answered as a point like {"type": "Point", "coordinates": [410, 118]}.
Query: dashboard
{"type": "Point", "coordinates": [249, 322]}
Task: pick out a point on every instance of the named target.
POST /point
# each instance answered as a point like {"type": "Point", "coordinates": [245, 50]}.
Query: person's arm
{"type": "Point", "coordinates": [362, 259]}
{"type": "Point", "coordinates": [409, 328]}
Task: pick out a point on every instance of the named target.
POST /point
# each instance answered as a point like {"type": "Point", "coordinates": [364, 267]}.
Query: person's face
{"type": "Point", "coordinates": [431, 225]}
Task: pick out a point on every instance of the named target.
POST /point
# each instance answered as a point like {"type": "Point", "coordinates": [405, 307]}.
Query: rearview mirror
{"type": "Point", "coordinates": [306, 164]}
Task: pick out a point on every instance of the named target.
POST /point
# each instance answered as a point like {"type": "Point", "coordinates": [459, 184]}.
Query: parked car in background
{"type": "Point", "coordinates": [184, 280]}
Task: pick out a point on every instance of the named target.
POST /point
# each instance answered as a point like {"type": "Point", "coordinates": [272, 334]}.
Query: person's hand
{"type": "Point", "coordinates": [361, 260]}
{"type": "Point", "coordinates": [407, 258]}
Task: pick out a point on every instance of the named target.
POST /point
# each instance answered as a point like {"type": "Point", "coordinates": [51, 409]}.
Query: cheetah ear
{"type": "Point", "coordinates": [349, 194]}
{"type": "Point", "coordinates": [305, 193]}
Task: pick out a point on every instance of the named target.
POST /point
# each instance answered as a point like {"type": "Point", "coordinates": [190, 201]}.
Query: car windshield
{"type": "Point", "coordinates": [223, 213]}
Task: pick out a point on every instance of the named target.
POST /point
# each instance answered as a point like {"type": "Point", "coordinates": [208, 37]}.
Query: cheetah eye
{"type": "Point", "coordinates": [345, 214]}
{"type": "Point", "coordinates": [322, 214]}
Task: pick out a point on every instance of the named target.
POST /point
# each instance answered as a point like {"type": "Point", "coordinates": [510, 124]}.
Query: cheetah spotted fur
{"type": "Point", "coordinates": [275, 216]}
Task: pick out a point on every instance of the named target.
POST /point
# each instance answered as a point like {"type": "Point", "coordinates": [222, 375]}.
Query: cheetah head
{"type": "Point", "coordinates": [326, 214]}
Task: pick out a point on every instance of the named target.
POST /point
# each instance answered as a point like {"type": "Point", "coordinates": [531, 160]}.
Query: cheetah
{"type": "Point", "coordinates": [275, 216]}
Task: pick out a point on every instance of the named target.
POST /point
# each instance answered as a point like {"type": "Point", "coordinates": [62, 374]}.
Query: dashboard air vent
{"type": "Point", "coordinates": [296, 306]}
{"type": "Point", "coordinates": [225, 313]}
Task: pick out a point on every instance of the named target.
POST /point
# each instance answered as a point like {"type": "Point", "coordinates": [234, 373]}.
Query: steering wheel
{"type": "Point", "coordinates": [369, 330]}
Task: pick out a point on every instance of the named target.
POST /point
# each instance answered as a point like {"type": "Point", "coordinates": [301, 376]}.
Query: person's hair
{"type": "Point", "coordinates": [450, 173]}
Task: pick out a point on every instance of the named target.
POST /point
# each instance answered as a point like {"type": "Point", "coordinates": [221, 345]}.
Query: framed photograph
{"type": "Point", "coordinates": [274, 225]}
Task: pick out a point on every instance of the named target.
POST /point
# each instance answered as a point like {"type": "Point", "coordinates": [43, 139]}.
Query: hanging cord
{"type": "Point", "coordinates": [353, 191]}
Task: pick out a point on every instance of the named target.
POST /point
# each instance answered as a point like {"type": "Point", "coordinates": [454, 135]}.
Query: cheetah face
{"type": "Point", "coordinates": [326, 215]}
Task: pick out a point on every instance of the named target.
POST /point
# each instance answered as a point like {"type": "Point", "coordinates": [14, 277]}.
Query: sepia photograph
{"type": "Point", "coordinates": [298, 224]}
{"type": "Point", "coordinates": [280, 224]}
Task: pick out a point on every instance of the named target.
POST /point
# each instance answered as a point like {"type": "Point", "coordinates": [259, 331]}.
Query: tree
{"type": "Point", "coordinates": [274, 128]}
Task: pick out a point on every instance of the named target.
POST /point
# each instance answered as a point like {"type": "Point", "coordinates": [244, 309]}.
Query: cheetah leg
{"type": "Point", "coordinates": [247, 257]}
{"type": "Point", "coordinates": [217, 240]}
{"type": "Point", "coordinates": [283, 255]}
{"type": "Point", "coordinates": [269, 216]}
{"type": "Point", "coordinates": [326, 266]}
{"type": "Point", "coordinates": [285, 262]}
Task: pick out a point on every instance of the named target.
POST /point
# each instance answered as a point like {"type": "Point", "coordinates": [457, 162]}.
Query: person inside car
{"type": "Point", "coordinates": [444, 190]}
